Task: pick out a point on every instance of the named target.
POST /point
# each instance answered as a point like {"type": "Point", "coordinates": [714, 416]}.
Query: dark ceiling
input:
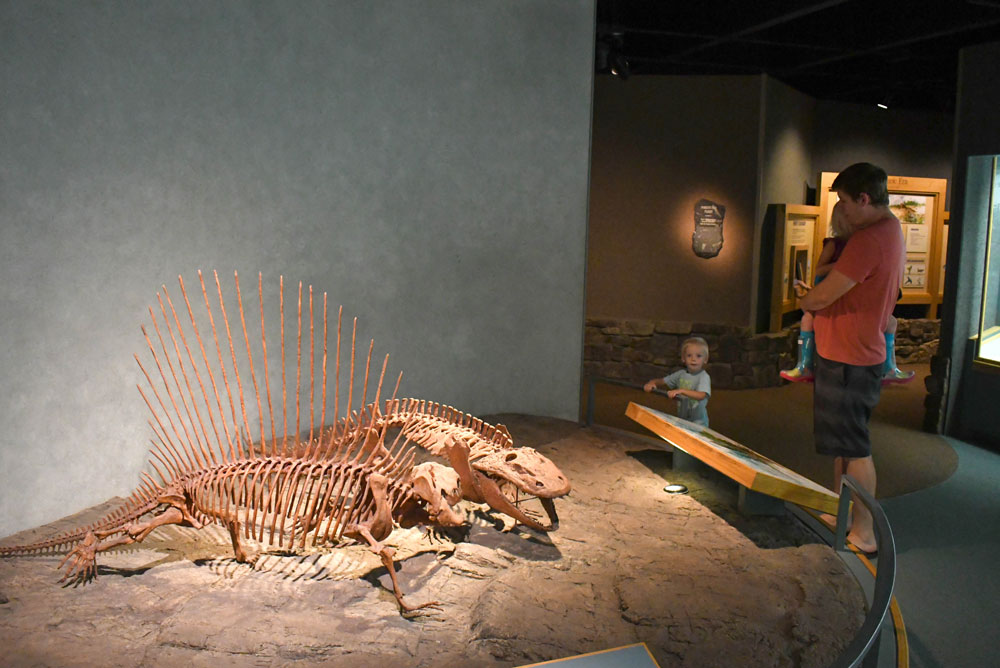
{"type": "Point", "coordinates": [847, 50]}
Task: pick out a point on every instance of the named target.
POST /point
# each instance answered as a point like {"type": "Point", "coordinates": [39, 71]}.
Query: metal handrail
{"type": "Point", "coordinates": [859, 652]}
{"type": "Point", "coordinates": [593, 380]}
{"type": "Point", "coordinates": [863, 649]}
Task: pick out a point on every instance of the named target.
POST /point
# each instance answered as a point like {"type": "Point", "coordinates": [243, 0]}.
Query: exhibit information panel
{"type": "Point", "coordinates": [747, 467]}
{"type": "Point", "coordinates": [988, 340]}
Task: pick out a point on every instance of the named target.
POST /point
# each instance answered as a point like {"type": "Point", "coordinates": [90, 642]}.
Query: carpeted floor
{"type": "Point", "coordinates": [777, 422]}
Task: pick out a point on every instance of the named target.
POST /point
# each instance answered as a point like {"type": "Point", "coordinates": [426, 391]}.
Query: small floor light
{"type": "Point", "coordinates": [675, 488]}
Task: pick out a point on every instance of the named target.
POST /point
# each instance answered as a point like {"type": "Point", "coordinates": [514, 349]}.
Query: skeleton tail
{"type": "Point", "coordinates": [142, 501]}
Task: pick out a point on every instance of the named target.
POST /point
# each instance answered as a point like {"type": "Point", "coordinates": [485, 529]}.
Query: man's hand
{"type": "Point", "coordinates": [833, 287]}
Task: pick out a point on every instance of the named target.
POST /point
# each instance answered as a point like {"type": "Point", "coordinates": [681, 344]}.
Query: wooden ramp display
{"type": "Point", "coordinates": [750, 469]}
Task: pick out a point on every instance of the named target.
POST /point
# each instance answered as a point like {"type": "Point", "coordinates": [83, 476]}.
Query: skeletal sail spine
{"type": "Point", "coordinates": [285, 484]}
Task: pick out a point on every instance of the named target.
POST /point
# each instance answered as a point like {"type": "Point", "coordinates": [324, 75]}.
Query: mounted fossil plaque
{"type": "Point", "coordinates": [707, 238]}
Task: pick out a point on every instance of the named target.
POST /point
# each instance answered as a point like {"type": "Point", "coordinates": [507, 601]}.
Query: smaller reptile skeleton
{"type": "Point", "coordinates": [320, 486]}
{"type": "Point", "coordinates": [491, 470]}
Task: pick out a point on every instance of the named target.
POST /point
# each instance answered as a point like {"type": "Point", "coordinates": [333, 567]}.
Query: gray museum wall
{"type": "Point", "coordinates": [424, 163]}
{"type": "Point", "coordinates": [787, 148]}
{"type": "Point", "coordinates": [972, 395]}
{"type": "Point", "coordinates": [660, 144]}
{"type": "Point", "coordinates": [785, 176]}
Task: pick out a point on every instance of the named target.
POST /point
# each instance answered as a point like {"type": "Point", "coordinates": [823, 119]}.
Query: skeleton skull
{"type": "Point", "coordinates": [439, 488]}
{"type": "Point", "coordinates": [527, 469]}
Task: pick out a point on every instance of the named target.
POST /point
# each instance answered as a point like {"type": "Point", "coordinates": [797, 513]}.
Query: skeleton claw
{"type": "Point", "coordinates": [411, 609]}
{"type": "Point", "coordinates": [83, 566]}
{"type": "Point", "coordinates": [433, 534]}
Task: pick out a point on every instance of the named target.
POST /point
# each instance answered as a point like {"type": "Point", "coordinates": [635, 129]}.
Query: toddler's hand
{"type": "Point", "coordinates": [650, 386]}
{"type": "Point", "coordinates": [673, 394]}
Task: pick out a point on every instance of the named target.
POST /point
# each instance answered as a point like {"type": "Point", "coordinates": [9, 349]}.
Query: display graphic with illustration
{"type": "Point", "coordinates": [909, 209]}
{"type": "Point", "coordinates": [914, 273]}
{"type": "Point", "coordinates": [912, 212]}
{"type": "Point", "coordinates": [707, 238]}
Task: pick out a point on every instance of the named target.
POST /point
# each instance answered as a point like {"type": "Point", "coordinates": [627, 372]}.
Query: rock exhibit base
{"type": "Point", "coordinates": [700, 584]}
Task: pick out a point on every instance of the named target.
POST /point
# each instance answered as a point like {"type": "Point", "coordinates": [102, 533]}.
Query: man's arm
{"type": "Point", "coordinates": [833, 287]}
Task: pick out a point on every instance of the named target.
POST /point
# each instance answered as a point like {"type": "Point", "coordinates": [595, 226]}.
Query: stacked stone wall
{"type": "Point", "coordinates": [637, 350]}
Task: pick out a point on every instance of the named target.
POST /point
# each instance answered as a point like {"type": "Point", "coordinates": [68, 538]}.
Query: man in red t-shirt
{"type": "Point", "coordinates": [851, 308]}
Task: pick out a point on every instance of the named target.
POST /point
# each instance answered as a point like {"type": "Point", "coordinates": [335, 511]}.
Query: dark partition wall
{"type": "Point", "coordinates": [424, 163]}
{"type": "Point", "coordinates": [904, 142]}
{"type": "Point", "coordinates": [970, 410]}
{"type": "Point", "coordinates": [661, 145]}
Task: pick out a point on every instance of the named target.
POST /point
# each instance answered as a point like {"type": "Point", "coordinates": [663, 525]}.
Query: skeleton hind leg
{"type": "Point", "coordinates": [81, 562]}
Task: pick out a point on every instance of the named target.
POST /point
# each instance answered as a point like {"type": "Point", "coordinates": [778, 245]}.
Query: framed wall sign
{"type": "Point", "coordinates": [794, 253]}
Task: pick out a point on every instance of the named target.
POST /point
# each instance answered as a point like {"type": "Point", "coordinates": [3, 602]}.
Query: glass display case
{"type": "Point", "coordinates": [988, 339]}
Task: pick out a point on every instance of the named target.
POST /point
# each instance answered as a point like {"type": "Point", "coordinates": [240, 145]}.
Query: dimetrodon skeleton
{"type": "Point", "coordinates": [353, 480]}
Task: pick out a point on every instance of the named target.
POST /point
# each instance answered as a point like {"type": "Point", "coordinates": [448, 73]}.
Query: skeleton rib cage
{"type": "Point", "coordinates": [284, 488]}
{"type": "Point", "coordinates": [264, 488]}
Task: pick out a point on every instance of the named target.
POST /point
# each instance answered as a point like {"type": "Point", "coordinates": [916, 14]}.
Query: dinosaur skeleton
{"type": "Point", "coordinates": [319, 486]}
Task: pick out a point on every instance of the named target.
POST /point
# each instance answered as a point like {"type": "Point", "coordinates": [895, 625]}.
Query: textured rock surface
{"type": "Point", "coordinates": [637, 350]}
{"type": "Point", "coordinates": [701, 585]}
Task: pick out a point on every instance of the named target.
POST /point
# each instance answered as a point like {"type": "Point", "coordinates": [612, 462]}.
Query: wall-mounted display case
{"type": "Point", "coordinates": [988, 339]}
{"type": "Point", "coordinates": [918, 203]}
{"type": "Point", "coordinates": [793, 255]}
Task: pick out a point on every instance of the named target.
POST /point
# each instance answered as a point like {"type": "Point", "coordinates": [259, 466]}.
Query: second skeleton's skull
{"type": "Point", "coordinates": [528, 470]}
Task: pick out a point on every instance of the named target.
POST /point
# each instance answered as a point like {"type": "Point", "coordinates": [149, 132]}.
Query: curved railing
{"type": "Point", "coordinates": [863, 649]}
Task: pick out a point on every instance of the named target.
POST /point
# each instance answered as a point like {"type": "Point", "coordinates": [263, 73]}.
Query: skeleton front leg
{"type": "Point", "coordinates": [386, 554]}
{"type": "Point", "coordinates": [238, 551]}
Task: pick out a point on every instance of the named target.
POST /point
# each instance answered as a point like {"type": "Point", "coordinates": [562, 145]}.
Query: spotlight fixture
{"type": "Point", "coordinates": [675, 488]}
{"type": "Point", "coordinates": [884, 104]}
{"type": "Point", "coordinates": [619, 64]}
{"type": "Point", "coordinates": [609, 56]}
